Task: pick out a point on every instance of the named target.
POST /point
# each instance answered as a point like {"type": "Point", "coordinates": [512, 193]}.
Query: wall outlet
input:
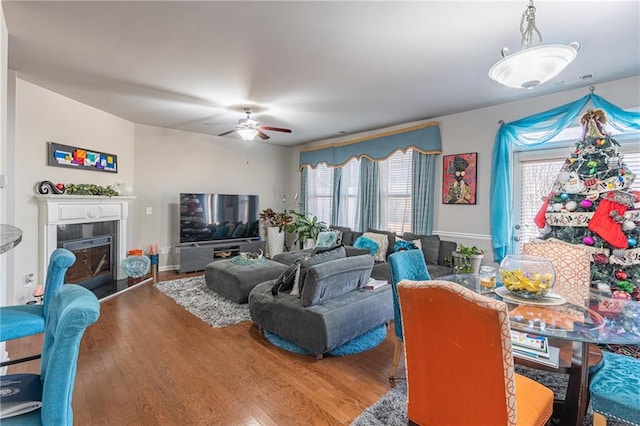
{"type": "Point", "coordinates": [177, 250]}
{"type": "Point", "coordinates": [149, 210]}
{"type": "Point", "coordinates": [165, 250]}
{"type": "Point", "coordinates": [29, 279]}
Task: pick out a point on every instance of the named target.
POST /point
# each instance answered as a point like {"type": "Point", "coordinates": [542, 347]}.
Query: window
{"type": "Point", "coordinates": [395, 193]}
{"type": "Point", "coordinates": [319, 192]}
{"type": "Point", "coordinates": [395, 187]}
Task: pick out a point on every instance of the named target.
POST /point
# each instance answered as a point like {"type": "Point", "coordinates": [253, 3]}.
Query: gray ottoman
{"type": "Point", "coordinates": [236, 281]}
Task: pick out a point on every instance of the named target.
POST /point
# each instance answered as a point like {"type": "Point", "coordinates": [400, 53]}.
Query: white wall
{"type": "Point", "coordinates": [42, 116]}
{"type": "Point", "coordinates": [475, 131]}
{"type": "Point", "coordinates": [172, 161]}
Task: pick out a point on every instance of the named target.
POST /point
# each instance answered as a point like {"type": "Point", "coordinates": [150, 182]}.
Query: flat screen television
{"type": "Point", "coordinates": [217, 217]}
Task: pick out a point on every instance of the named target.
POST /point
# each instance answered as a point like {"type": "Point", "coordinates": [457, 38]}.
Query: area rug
{"type": "Point", "coordinates": [194, 295]}
{"type": "Point", "coordinates": [364, 342]}
{"type": "Point", "coordinates": [391, 409]}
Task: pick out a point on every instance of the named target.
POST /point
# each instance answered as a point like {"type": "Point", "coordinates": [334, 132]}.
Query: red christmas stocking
{"type": "Point", "coordinates": [540, 219]}
{"type": "Point", "coordinates": [602, 223]}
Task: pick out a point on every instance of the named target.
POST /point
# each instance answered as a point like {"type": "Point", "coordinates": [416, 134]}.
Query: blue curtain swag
{"type": "Point", "coordinates": [424, 138]}
{"type": "Point", "coordinates": [545, 126]}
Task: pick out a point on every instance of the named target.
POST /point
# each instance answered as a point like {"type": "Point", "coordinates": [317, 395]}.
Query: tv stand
{"type": "Point", "coordinates": [196, 256]}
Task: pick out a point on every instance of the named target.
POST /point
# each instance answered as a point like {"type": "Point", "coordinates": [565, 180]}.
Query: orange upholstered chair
{"type": "Point", "coordinates": [572, 265]}
{"type": "Point", "coordinates": [459, 361]}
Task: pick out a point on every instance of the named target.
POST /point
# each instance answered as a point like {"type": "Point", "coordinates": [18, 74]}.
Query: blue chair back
{"type": "Point", "coordinates": [25, 320]}
{"type": "Point", "coordinates": [60, 260]}
{"type": "Point", "coordinates": [71, 310]}
{"type": "Point", "coordinates": [405, 265]}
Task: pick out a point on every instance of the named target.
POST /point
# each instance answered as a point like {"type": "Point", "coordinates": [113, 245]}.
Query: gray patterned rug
{"type": "Point", "coordinates": [391, 409]}
{"type": "Point", "coordinates": [194, 295]}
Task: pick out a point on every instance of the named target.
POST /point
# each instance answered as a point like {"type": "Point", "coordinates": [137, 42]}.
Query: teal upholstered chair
{"type": "Point", "coordinates": [403, 265]}
{"type": "Point", "coordinates": [615, 389]}
{"type": "Point", "coordinates": [71, 310]}
{"type": "Point", "coordinates": [25, 320]}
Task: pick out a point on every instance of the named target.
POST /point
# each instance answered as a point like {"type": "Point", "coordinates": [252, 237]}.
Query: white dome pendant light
{"type": "Point", "coordinates": [532, 66]}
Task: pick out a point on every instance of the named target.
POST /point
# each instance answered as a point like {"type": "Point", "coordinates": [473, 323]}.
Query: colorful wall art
{"type": "Point", "coordinates": [459, 174]}
{"type": "Point", "coordinates": [80, 158]}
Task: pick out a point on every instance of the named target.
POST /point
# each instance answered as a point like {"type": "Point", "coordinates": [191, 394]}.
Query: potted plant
{"type": "Point", "coordinates": [467, 260]}
{"type": "Point", "coordinates": [306, 228]}
{"type": "Point", "coordinates": [275, 224]}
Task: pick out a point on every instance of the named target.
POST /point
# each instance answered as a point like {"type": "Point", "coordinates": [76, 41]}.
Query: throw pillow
{"type": "Point", "coordinates": [383, 242]}
{"type": "Point", "coordinates": [286, 280]}
{"type": "Point", "coordinates": [406, 245]}
{"type": "Point", "coordinates": [363, 242]}
{"type": "Point", "coordinates": [295, 291]}
{"type": "Point", "coordinates": [338, 232]}
{"type": "Point", "coordinates": [326, 239]}
{"type": "Point", "coordinates": [430, 246]}
{"type": "Point", "coordinates": [391, 239]}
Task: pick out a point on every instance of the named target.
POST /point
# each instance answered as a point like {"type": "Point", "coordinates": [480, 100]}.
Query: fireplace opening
{"type": "Point", "coordinates": [94, 261]}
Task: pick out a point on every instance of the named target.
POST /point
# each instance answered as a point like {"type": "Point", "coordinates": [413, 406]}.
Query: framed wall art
{"type": "Point", "coordinates": [459, 174]}
{"type": "Point", "coordinates": [59, 155]}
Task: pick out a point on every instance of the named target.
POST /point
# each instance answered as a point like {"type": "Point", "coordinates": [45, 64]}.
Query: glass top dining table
{"type": "Point", "coordinates": [601, 320]}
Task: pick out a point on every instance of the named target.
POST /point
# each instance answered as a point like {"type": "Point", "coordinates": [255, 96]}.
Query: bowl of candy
{"type": "Point", "coordinates": [531, 277]}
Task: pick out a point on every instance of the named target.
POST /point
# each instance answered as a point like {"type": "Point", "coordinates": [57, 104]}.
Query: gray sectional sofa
{"type": "Point", "coordinates": [437, 252]}
{"type": "Point", "coordinates": [332, 307]}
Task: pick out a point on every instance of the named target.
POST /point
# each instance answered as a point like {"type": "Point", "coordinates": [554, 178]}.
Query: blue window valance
{"type": "Point", "coordinates": [424, 138]}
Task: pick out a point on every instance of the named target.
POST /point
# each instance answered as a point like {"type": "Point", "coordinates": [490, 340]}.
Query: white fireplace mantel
{"type": "Point", "coordinates": [63, 209]}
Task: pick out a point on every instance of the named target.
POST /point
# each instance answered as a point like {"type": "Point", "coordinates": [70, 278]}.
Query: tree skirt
{"type": "Point", "coordinates": [364, 342]}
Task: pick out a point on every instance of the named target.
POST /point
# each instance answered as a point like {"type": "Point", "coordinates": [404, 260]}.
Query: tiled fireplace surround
{"type": "Point", "coordinates": [63, 209]}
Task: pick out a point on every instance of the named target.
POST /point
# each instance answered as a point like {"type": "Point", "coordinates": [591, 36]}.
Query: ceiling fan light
{"type": "Point", "coordinates": [533, 66]}
{"type": "Point", "coordinates": [248, 134]}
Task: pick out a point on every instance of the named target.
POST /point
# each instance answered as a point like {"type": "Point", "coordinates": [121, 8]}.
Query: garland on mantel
{"type": "Point", "coordinates": [48, 187]}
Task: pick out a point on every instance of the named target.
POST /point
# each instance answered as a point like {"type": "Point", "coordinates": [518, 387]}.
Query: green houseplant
{"type": "Point", "coordinates": [467, 260]}
{"type": "Point", "coordinates": [305, 227]}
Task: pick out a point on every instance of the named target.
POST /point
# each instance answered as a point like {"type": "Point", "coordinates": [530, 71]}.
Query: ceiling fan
{"type": "Point", "coordinates": [248, 128]}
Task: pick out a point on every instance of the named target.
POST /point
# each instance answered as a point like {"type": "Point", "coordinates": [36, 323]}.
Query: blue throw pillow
{"type": "Point", "coordinates": [326, 239]}
{"type": "Point", "coordinates": [366, 243]}
{"type": "Point", "coordinates": [402, 245]}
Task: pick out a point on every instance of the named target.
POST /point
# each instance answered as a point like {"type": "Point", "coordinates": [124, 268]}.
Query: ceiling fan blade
{"type": "Point", "coordinates": [263, 136]}
{"type": "Point", "coordinates": [275, 129]}
{"type": "Point", "coordinates": [227, 132]}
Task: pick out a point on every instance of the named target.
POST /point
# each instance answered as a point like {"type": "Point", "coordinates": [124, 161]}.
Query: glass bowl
{"type": "Point", "coordinates": [531, 277]}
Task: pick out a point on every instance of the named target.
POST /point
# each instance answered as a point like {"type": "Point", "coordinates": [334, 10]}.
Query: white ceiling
{"type": "Point", "coordinates": [318, 68]}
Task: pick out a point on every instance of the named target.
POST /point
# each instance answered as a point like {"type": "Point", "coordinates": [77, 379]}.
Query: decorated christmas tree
{"type": "Point", "coordinates": [591, 205]}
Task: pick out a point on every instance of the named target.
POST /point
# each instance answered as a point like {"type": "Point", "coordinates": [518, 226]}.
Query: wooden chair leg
{"type": "Point", "coordinates": [599, 420]}
{"type": "Point", "coordinates": [397, 351]}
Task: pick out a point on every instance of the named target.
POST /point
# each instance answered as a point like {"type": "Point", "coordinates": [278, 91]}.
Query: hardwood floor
{"type": "Point", "coordinates": [147, 361]}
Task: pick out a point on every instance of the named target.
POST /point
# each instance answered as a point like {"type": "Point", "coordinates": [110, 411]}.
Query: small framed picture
{"type": "Point", "coordinates": [459, 174]}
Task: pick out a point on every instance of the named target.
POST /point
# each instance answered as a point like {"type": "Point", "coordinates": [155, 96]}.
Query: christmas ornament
{"type": "Point", "coordinates": [632, 242]}
{"type": "Point", "coordinates": [628, 225]}
{"type": "Point", "coordinates": [619, 294]}
{"type": "Point", "coordinates": [563, 177]}
{"type": "Point", "coordinates": [564, 196]}
{"type": "Point", "coordinates": [600, 259]}
{"type": "Point", "coordinates": [621, 275]}
{"type": "Point", "coordinates": [618, 252]}
{"type": "Point", "coordinates": [574, 185]}
{"type": "Point", "coordinates": [589, 240]}
{"type": "Point", "coordinates": [556, 207]}
{"type": "Point", "coordinates": [586, 204]}
{"type": "Point", "coordinates": [571, 205]}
